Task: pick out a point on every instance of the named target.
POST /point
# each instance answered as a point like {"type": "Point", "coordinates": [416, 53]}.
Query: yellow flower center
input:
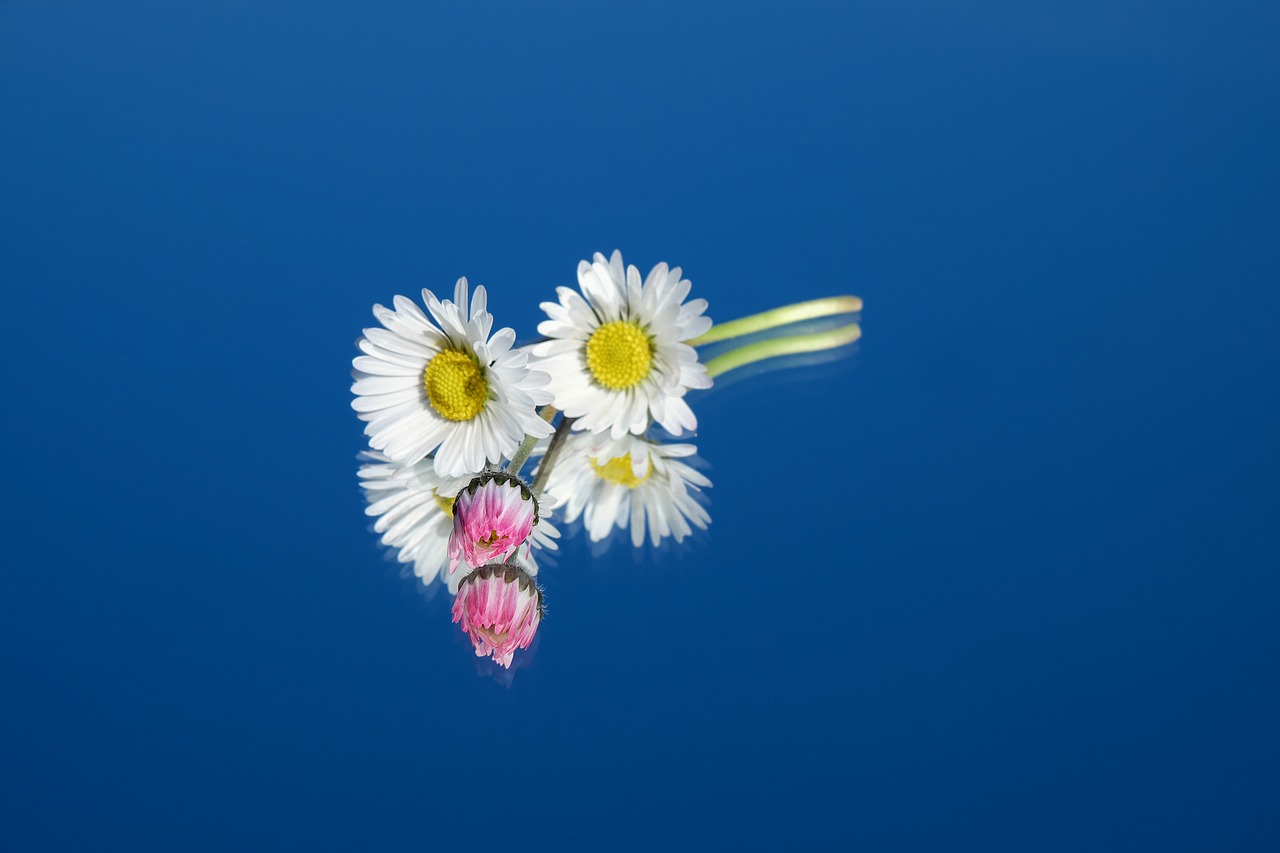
{"type": "Point", "coordinates": [619, 354]}
{"type": "Point", "coordinates": [618, 471]}
{"type": "Point", "coordinates": [455, 385]}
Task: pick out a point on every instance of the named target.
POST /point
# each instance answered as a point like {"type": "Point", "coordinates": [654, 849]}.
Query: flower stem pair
{"type": "Point", "coordinates": [553, 449]}
{"type": "Point", "coordinates": [786, 345]}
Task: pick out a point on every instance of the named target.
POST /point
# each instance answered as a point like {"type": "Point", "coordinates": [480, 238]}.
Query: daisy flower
{"type": "Point", "coordinates": [629, 481]}
{"type": "Point", "coordinates": [617, 353]}
{"type": "Point", "coordinates": [414, 506]}
{"type": "Point", "coordinates": [492, 517]}
{"type": "Point", "coordinates": [446, 386]}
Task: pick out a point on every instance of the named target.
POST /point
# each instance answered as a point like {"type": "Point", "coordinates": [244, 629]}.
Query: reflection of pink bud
{"type": "Point", "coordinates": [500, 608]}
{"type": "Point", "coordinates": [491, 518]}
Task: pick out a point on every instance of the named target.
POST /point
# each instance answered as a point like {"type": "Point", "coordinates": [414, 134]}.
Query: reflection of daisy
{"type": "Point", "coordinates": [617, 357]}
{"type": "Point", "coordinates": [413, 516]}
{"type": "Point", "coordinates": [628, 481]}
{"type": "Point", "coordinates": [421, 386]}
{"type": "Point", "coordinates": [414, 508]}
{"type": "Point", "coordinates": [500, 608]}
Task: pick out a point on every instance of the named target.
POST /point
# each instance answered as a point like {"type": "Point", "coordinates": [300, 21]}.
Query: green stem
{"type": "Point", "coordinates": [761, 350]}
{"type": "Point", "coordinates": [553, 452]}
{"type": "Point", "coordinates": [526, 447]}
{"type": "Point", "coordinates": [779, 317]}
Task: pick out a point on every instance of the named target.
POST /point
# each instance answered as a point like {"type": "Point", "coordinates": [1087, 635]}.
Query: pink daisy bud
{"type": "Point", "coordinates": [500, 608]}
{"type": "Point", "coordinates": [491, 518]}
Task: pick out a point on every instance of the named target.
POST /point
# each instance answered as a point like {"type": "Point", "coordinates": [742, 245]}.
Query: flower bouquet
{"type": "Point", "coordinates": [455, 412]}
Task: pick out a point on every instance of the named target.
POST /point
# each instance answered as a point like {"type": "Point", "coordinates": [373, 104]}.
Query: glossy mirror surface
{"type": "Point", "coordinates": [1002, 576]}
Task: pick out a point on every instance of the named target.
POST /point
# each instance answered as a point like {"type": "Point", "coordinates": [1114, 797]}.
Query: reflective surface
{"type": "Point", "coordinates": [1005, 578]}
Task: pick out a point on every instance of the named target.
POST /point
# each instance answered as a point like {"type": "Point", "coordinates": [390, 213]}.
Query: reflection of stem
{"type": "Point", "coordinates": [779, 317]}
{"type": "Point", "coordinates": [761, 350]}
{"type": "Point", "coordinates": [553, 450]}
{"type": "Point", "coordinates": [526, 446]}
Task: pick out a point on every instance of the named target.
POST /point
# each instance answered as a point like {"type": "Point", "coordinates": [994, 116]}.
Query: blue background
{"type": "Point", "coordinates": [1004, 579]}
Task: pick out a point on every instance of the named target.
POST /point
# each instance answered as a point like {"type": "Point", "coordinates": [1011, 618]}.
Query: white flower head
{"type": "Point", "coordinates": [629, 482]}
{"type": "Point", "coordinates": [447, 386]}
{"type": "Point", "coordinates": [617, 353]}
{"type": "Point", "coordinates": [414, 505]}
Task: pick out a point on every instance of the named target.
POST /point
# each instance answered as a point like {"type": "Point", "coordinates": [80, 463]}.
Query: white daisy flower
{"type": "Point", "coordinates": [628, 481]}
{"type": "Point", "coordinates": [446, 385]}
{"type": "Point", "coordinates": [617, 353]}
{"type": "Point", "coordinates": [413, 506]}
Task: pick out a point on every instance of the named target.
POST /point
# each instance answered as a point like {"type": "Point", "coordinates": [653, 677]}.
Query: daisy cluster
{"type": "Point", "coordinates": [453, 410]}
